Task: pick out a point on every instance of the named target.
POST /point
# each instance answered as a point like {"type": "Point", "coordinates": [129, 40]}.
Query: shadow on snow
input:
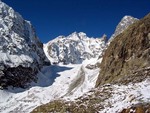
{"type": "Point", "coordinates": [46, 77]}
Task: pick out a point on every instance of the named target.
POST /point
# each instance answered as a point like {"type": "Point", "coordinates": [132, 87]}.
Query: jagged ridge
{"type": "Point", "coordinates": [125, 22]}
{"type": "Point", "coordinates": [74, 48]}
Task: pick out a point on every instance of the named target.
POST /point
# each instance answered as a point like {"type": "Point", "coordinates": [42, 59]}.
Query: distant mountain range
{"type": "Point", "coordinates": [74, 48]}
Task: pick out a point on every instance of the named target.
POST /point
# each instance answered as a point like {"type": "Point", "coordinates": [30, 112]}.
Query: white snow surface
{"type": "Point", "coordinates": [74, 48]}
{"type": "Point", "coordinates": [125, 96]}
{"type": "Point", "coordinates": [54, 82]}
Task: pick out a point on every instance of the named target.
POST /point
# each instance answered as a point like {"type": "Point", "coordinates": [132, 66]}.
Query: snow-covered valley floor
{"type": "Point", "coordinates": [53, 82]}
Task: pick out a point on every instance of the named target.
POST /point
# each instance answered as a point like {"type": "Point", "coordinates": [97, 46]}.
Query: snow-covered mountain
{"type": "Point", "coordinates": [74, 48]}
{"type": "Point", "coordinates": [123, 25]}
{"type": "Point", "coordinates": [71, 87]}
{"type": "Point", "coordinates": [21, 53]}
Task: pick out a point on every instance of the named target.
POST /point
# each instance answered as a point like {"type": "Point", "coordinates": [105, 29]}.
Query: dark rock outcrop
{"type": "Point", "coordinates": [127, 53]}
{"type": "Point", "coordinates": [138, 108]}
{"type": "Point", "coordinates": [15, 77]}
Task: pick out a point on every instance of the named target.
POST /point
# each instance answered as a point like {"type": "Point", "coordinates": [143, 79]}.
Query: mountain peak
{"type": "Point", "coordinates": [82, 34]}
{"type": "Point", "coordinates": [77, 36]}
{"type": "Point", "coordinates": [128, 17]}
{"type": "Point", "coordinates": [74, 36]}
{"type": "Point", "coordinates": [74, 48]}
{"type": "Point", "coordinates": [125, 22]}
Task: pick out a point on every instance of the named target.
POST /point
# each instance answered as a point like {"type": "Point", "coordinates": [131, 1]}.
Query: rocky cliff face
{"type": "Point", "coordinates": [21, 53]}
{"type": "Point", "coordinates": [125, 22]}
{"type": "Point", "coordinates": [127, 54]}
{"type": "Point", "coordinates": [74, 48]}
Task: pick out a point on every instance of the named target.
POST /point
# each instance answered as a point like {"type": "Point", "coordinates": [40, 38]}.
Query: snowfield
{"type": "Point", "coordinates": [54, 82]}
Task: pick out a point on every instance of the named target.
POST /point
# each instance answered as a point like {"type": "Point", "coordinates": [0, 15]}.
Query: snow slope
{"type": "Point", "coordinates": [109, 98]}
{"type": "Point", "coordinates": [125, 96]}
{"type": "Point", "coordinates": [54, 82]}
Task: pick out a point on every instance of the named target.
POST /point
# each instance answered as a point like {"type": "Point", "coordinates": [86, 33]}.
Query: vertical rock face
{"type": "Point", "coordinates": [127, 53]}
{"type": "Point", "coordinates": [21, 53]}
{"type": "Point", "coordinates": [74, 48]}
{"type": "Point", "coordinates": [125, 22]}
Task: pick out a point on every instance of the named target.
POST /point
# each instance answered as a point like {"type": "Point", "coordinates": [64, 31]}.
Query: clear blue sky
{"type": "Point", "coordinates": [52, 18]}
